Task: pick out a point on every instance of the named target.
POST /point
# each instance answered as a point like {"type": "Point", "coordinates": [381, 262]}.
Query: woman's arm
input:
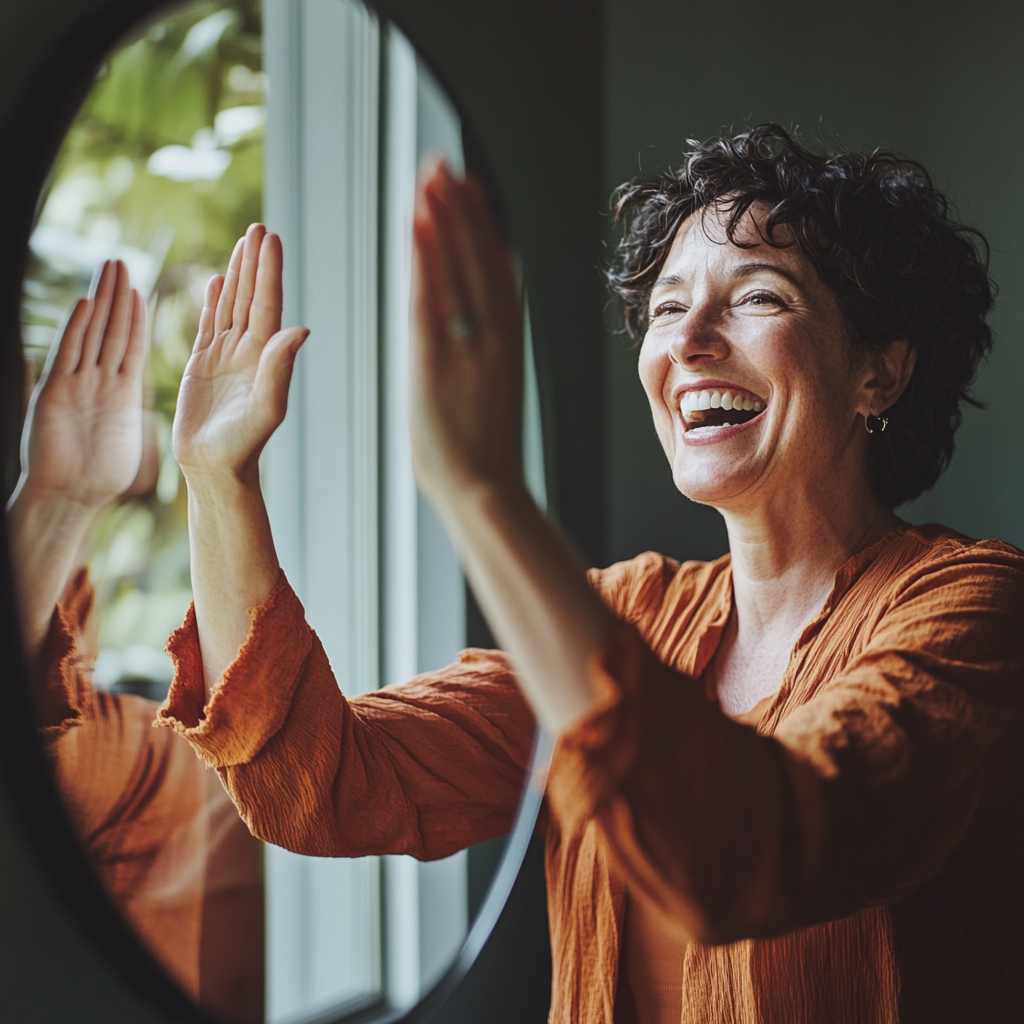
{"type": "Point", "coordinates": [82, 443]}
{"type": "Point", "coordinates": [467, 388]}
{"type": "Point", "coordinates": [233, 396]}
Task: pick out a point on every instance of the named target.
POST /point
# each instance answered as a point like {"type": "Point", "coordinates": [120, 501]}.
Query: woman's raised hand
{"type": "Point", "coordinates": [234, 392]}
{"type": "Point", "coordinates": [467, 391]}
{"type": "Point", "coordinates": [83, 434]}
{"type": "Point", "coordinates": [466, 407]}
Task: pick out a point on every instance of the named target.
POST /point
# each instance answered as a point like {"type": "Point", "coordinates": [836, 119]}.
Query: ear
{"type": "Point", "coordinates": [886, 374]}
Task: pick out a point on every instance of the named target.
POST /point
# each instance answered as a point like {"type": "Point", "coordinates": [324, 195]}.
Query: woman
{"type": "Point", "coordinates": [787, 783]}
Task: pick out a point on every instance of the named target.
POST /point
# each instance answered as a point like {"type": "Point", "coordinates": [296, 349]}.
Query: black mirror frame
{"type": "Point", "coordinates": [33, 133]}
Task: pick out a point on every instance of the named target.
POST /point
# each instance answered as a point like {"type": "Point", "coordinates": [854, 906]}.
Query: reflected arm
{"type": "Point", "coordinates": [426, 768]}
{"type": "Point", "coordinates": [233, 397]}
{"type": "Point", "coordinates": [82, 444]}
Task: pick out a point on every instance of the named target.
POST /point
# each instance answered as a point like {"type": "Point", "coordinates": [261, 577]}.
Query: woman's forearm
{"type": "Point", "coordinates": [234, 563]}
{"type": "Point", "coordinates": [535, 595]}
{"type": "Point", "coordinates": [46, 536]}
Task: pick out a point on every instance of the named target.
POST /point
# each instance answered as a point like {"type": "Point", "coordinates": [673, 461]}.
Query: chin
{"type": "Point", "coordinates": [709, 485]}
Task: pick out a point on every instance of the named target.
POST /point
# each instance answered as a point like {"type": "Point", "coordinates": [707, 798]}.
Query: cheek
{"type": "Point", "coordinates": [652, 367]}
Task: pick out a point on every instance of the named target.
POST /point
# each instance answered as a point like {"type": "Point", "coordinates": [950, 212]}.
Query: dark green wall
{"type": "Point", "coordinates": [941, 82]}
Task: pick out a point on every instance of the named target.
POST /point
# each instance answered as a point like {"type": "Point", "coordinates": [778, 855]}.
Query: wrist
{"type": "Point", "coordinates": [32, 502]}
{"type": "Point", "coordinates": [483, 497]}
{"type": "Point", "coordinates": [218, 481]}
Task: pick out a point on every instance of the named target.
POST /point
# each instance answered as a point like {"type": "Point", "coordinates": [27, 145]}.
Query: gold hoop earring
{"type": "Point", "coordinates": [884, 420]}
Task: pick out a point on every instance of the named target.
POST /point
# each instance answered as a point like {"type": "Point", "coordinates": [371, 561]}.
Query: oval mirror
{"type": "Point", "coordinates": [312, 116]}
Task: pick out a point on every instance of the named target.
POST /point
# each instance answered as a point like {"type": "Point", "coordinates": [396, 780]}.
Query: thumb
{"type": "Point", "coordinates": [274, 371]}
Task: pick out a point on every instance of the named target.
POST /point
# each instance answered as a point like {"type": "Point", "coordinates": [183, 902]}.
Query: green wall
{"type": "Point", "coordinates": [940, 82]}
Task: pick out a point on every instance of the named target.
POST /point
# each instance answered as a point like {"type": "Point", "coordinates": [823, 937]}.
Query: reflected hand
{"type": "Point", "coordinates": [83, 434]}
{"type": "Point", "coordinates": [82, 444]}
{"type": "Point", "coordinates": [234, 392]}
{"type": "Point", "coordinates": [466, 403]}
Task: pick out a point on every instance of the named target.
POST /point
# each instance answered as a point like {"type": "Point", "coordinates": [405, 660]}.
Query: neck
{"type": "Point", "coordinates": [785, 552]}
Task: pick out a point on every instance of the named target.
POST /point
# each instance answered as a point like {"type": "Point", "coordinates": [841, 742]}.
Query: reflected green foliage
{"type": "Point", "coordinates": [163, 168]}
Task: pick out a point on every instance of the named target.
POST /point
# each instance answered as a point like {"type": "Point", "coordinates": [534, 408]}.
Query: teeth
{"type": "Point", "coordinates": [697, 401]}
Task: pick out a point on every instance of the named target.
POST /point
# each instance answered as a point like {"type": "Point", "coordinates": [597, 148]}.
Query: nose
{"type": "Point", "coordinates": [698, 339]}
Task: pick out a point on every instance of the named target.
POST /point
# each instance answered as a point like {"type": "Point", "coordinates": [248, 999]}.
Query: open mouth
{"type": "Point", "coordinates": [719, 407]}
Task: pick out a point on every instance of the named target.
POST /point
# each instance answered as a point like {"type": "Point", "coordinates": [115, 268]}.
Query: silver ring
{"type": "Point", "coordinates": [462, 326]}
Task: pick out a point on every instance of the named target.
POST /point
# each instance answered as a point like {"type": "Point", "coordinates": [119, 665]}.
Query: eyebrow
{"type": "Point", "coordinates": [743, 270]}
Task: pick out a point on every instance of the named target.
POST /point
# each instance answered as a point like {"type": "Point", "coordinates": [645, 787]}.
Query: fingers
{"type": "Point", "coordinates": [465, 255]}
{"type": "Point", "coordinates": [226, 301]}
{"type": "Point", "coordinates": [274, 371]}
{"type": "Point", "coordinates": [247, 272]}
{"type": "Point", "coordinates": [265, 314]}
{"type": "Point", "coordinates": [441, 275]}
{"type": "Point", "coordinates": [474, 269]}
{"type": "Point", "coordinates": [68, 350]}
{"type": "Point", "coordinates": [205, 334]}
{"type": "Point", "coordinates": [429, 309]}
{"type": "Point", "coordinates": [102, 295]}
{"type": "Point", "coordinates": [114, 342]}
{"type": "Point", "coordinates": [135, 350]}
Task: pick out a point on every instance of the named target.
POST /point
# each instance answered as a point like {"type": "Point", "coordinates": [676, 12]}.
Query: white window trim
{"type": "Point", "coordinates": [321, 468]}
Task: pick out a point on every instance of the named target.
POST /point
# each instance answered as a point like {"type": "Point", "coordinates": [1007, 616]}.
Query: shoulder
{"type": "Point", "coordinates": [934, 556]}
{"type": "Point", "coordinates": [952, 607]}
{"type": "Point", "coordinates": [640, 585]}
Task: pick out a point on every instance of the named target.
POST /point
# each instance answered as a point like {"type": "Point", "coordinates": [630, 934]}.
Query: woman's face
{"type": "Point", "coordinates": [745, 365]}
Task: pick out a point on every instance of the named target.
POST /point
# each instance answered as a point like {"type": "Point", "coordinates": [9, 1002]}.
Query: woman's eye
{"type": "Point", "coordinates": [764, 299]}
{"type": "Point", "coordinates": [667, 309]}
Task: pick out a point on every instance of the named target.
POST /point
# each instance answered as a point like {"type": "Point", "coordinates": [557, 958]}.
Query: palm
{"type": "Point", "coordinates": [234, 391]}
{"type": "Point", "coordinates": [84, 434]}
{"type": "Point", "coordinates": [215, 411]}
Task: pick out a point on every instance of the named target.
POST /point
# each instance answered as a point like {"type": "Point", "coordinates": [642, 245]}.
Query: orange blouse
{"type": "Point", "coordinates": [856, 857]}
{"type": "Point", "coordinates": [163, 836]}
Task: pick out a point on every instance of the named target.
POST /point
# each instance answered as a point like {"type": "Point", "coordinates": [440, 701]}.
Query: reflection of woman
{"type": "Point", "coordinates": [788, 783]}
{"type": "Point", "coordinates": [159, 829]}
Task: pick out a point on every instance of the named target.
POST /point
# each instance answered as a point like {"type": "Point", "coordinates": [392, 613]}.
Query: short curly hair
{"type": "Point", "coordinates": [881, 237]}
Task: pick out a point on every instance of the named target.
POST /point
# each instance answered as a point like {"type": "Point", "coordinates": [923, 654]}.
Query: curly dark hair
{"type": "Point", "coordinates": [880, 236]}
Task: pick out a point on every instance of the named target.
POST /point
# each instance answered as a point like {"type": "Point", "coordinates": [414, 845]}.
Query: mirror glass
{"type": "Point", "coordinates": [310, 115]}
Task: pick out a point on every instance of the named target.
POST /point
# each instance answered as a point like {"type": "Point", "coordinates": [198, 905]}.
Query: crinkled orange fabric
{"type": "Point", "coordinates": [855, 858]}
{"type": "Point", "coordinates": [158, 827]}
